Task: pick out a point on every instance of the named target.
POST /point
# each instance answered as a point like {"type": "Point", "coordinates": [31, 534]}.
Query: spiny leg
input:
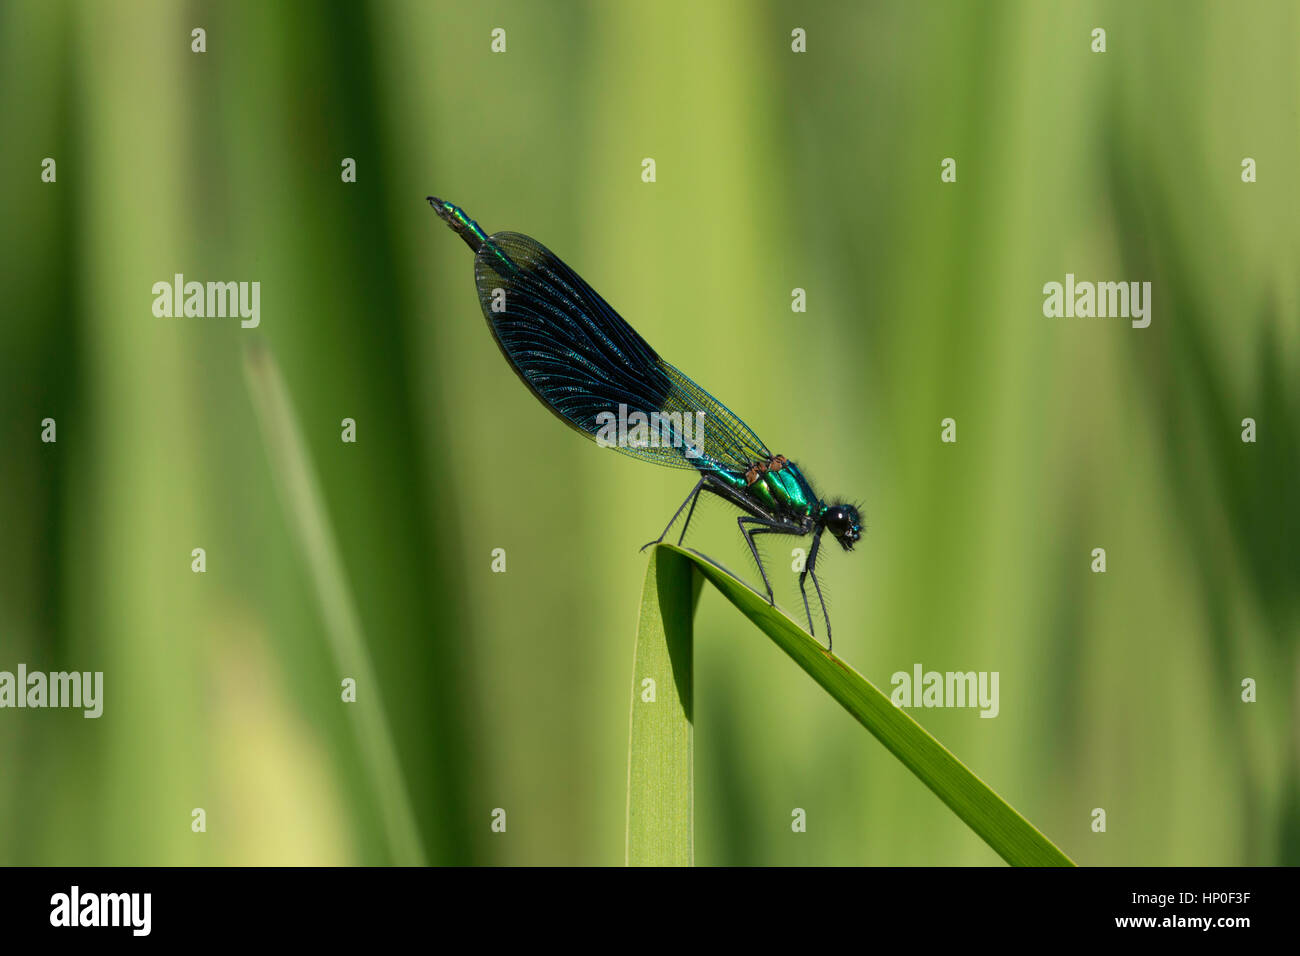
{"type": "Point", "coordinates": [763, 526]}
{"type": "Point", "coordinates": [809, 566]}
{"type": "Point", "coordinates": [687, 523]}
{"type": "Point", "coordinates": [690, 500]}
{"type": "Point", "coordinates": [753, 549]}
{"type": "Point", "coordinates": [825, 616]}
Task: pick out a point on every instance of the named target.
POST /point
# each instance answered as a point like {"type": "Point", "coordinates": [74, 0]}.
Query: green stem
{"type": "Point", "coordinates": [295, 478]}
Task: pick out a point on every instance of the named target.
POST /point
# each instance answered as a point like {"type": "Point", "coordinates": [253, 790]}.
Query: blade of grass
{"type": "Point", "coordinates": [660, 780]}
{"type": "Point", "coordinates": [295, 478]}
{"type": "Point", "coordinates": [1013, 837]}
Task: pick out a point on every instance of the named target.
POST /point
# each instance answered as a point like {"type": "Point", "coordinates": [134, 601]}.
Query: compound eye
{"type": "Point", "coordinates": [837, 521]}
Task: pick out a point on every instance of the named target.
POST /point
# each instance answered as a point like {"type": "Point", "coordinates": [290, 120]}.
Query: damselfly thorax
{"type": "Point", "coordinates": [779, 486]}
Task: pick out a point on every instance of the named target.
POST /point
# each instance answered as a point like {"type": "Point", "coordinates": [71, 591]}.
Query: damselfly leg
{"type": "Point", "coordinates": [690, 500]}
{"type": "Point", "coordinates": [810, 568]}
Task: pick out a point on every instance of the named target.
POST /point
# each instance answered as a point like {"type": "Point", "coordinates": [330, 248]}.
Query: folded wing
{"type": "Point", "coordinates": [581, 359]}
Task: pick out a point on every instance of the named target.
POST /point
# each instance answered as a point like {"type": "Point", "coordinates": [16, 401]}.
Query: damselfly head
{"type": "Point", "coordinates": [844, 523]}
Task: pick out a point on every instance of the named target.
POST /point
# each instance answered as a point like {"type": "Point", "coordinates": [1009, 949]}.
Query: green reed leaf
{"type": "Point", "coordinates": [659, 781]}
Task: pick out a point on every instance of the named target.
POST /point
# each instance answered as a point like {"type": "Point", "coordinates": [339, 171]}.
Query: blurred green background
{"type": "Point", "coordinates": [775, 170]}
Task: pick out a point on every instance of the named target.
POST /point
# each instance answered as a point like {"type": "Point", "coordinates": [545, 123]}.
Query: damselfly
{"type": "Point", "coordinates": [589, 367]}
